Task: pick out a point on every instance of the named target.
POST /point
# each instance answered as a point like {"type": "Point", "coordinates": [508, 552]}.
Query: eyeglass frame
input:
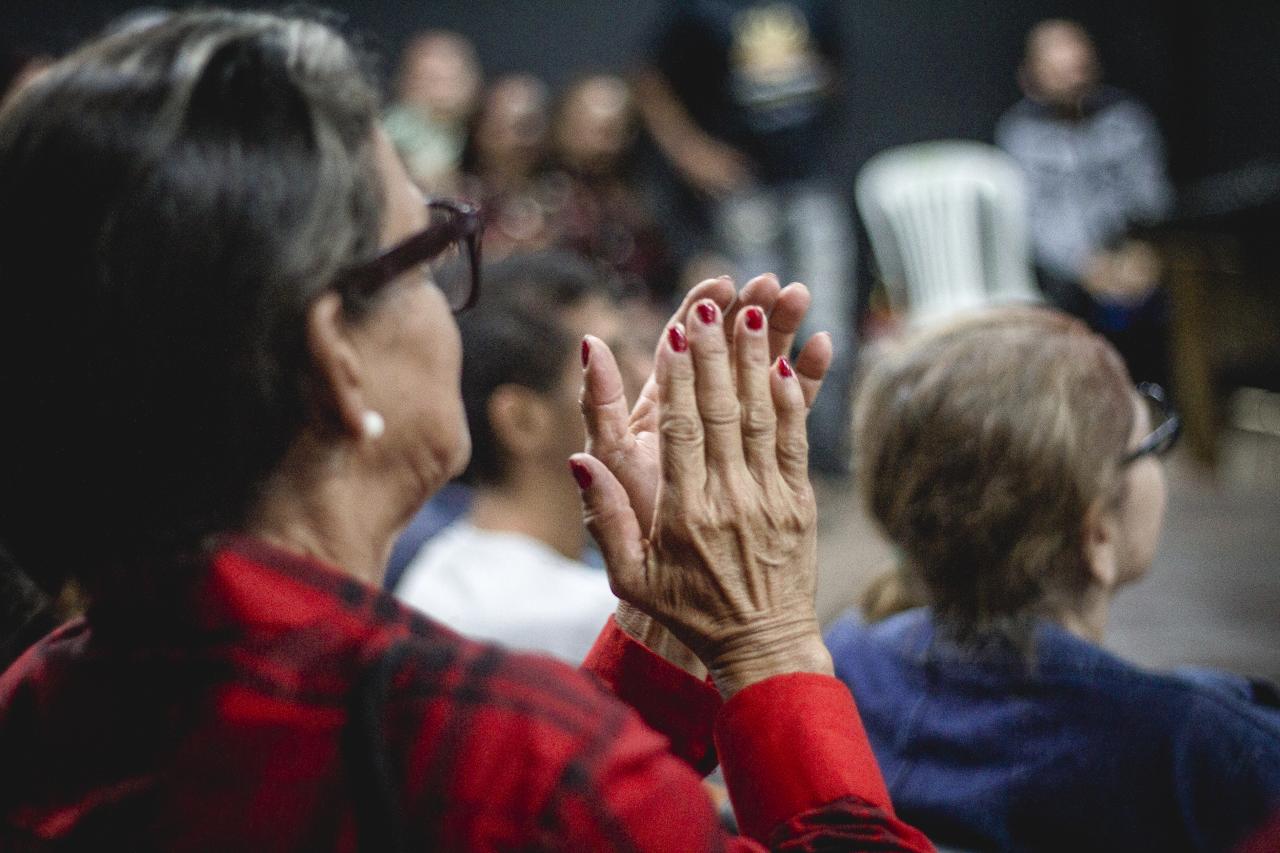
{"type": "Point", "coordinates": [367, 278]}
{"type": "Point", "coordinates": [1163, 435]}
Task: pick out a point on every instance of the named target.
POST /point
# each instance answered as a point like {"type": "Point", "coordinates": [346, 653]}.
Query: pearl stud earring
{"type": "Point", "coordinates": [372, 425]}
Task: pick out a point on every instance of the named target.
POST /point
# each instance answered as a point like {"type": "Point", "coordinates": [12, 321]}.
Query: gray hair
{"type": "Point", "coordinates": [176, 196]}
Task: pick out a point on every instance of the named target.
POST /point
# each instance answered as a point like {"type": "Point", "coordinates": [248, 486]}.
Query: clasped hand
{"type": "Point", "coordinates": [699, 497]}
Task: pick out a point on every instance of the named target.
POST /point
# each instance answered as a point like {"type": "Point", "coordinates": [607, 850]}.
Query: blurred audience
{"type": "Point", "coordinates": [739, 96]}
{"type": "Point", "coordinates": [1095, 167]}
{"type": "Point", "coordinates": [1010, 459]}
{"type": "Point", "coordinates": [606, 214]}
{"type": "Point", "coordinates": [512, 569]}
{"type": "Point", "coordinates": [435, 97]}
{"type": "Point", "coordinates": [507, 162]}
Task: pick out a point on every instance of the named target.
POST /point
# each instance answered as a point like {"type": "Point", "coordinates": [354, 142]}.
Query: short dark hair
{"type": "Point", "coordinates": [175, 197]}
{"type": "Point", "coordinates": [981, 444]}
{"type": "Point", "coordinates": [514, 335]}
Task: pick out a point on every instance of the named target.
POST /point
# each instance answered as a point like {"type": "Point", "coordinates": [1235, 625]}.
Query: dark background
{"type": "Point", "coordinates": [917, 69]}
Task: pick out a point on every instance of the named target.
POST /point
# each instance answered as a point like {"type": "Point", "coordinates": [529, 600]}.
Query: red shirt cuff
{"type": "Point", "coordinates": [670, 701]}
{"type": "Point", "coordinates": [792, 743]}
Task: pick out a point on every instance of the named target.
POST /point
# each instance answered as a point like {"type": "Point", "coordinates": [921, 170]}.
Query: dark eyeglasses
{"type": "Point", "coordinates": [1168, 426]}
{"type": "Point", "coordinates": [450, 244]}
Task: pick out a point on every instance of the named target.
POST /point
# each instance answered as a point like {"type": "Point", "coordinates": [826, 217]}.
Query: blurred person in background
{"type": "Point", "coordinates": [436, 93]}
{"type": "Point", "coordinates": [1010, 459]}
{"type": "Point", "coordinates": [232, 347]}
{"type": "Point", "coordinates": [512, 569]}
{"type": "Point", "coordinates": [739, 95]}
{"type": "Point", "coordinates": [1095, 167]}
{"type": "Point", "coordinates": [507, 161]}
{"type": "Point", "coordinates": [606, 215]}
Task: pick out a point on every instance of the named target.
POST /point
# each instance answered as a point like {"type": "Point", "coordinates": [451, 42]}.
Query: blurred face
{"type": "Point", "coordinates": [513, 129]}
{"type": "Point", "coordinates": [1061, 67]}
{"type": "Point", "coordinates": [441, 78]}
{"type": "Point", "coordinates": [595, 125]}
{"type": "Point", "coordinates": [413, 352]}
{"type": "Point", "coordinates": [1141, 513]}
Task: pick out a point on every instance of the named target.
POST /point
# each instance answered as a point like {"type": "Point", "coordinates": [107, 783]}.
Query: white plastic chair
{"type": "Point", "coordinates": [947, 222]}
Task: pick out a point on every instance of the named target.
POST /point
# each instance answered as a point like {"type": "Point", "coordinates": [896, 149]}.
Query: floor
{"type": "Point", "coordinates": [1212, 597]}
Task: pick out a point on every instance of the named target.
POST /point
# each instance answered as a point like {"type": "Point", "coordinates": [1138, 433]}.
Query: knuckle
{"type": "Point", "coordinates": [758, 421]}
{"type": "Point", "coordinates": [722, 413]}
{"type": "Point", "coordinates": [793, 450]}
{"type": "Point", "coordinates": [680, 429]}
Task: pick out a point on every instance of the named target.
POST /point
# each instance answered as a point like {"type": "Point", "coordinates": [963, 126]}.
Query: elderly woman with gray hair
{"type": "Point", "coordinates": [1010, 458]}
{"type": "Point", "coordinates": [232, 377]}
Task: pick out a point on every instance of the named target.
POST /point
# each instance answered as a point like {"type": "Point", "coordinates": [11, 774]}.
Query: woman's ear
{"type": "Point", "coordinates": [521, 420]}
{"type": "Point", "coordinates": [1102, 544]}
{"type": "Point", "coordinates": [336, 366]}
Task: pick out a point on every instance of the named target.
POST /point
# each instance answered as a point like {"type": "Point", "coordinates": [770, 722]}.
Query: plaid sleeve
{"type": "Point", "coordinates": [798, 766]}
{"type": "Point", "coordinates": [624, 791]}
{"type": "Point", "coordinates": [797, 761]}
{"type": "Point", "coordinates": [670, 701]}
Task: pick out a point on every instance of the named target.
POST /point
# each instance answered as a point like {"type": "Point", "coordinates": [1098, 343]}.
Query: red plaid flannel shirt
{"type": "Point", "coordinates": [293, 708]}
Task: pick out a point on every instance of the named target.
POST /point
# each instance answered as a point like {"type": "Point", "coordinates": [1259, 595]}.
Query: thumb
{"type": "Point", "coordinates": [612, 523]}
{"type": "Point", "coordinates": [604, 401]}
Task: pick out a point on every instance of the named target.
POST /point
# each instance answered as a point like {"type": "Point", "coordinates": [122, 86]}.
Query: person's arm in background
{"type": "Point", "coordinates": [707, 164]}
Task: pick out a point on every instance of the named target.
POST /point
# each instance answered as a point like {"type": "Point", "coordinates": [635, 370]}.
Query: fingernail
{"type": "Point", "coordinates": [586, 351]}
{"type": "Point", "coordinates": [784, 368]}
{"type": "Point", "coordinates": [676, 336]}
{"type": "Point", "coordinates": [706, 312]}
{"type": "Point", "coordinates": [755, 319]}
{"type": "Point", "coordinates": [581, 473]}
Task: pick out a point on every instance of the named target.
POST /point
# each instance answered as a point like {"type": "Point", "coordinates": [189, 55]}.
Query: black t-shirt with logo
{"type": "Point", "coordinates": [757, 75]}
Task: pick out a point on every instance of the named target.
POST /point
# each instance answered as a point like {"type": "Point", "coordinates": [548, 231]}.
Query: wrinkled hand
{"type": "Point", "coordinates": [627, 442]}
{"type": "Point", "coordinates": [728, 561]}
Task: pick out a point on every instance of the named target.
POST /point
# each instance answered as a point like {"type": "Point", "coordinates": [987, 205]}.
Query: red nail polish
{"type": "Point", "coordinates": [586, 351]}
{"type": "Point", "coordinates": [755, 319]}
{"type": "Point", "coordinates": [706, 312]}
{"type": "Point", "coordinates": [581, 473]}
{"type": "Point", "coordinates": [784, 368]}
{"type": "Point", "coordinates": [678, 341]}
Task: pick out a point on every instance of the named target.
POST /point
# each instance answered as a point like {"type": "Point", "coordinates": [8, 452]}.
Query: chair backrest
{"type": "Point", "coordinates": [947, 222]}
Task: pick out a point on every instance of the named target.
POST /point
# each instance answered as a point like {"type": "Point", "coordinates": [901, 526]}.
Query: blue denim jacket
{"type": "Point", "coordinates": [1078, 751]}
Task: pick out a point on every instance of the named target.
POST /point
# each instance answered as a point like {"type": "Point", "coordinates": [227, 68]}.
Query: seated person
{"type": "Point", "coordinates": [1094, 162]}
{"type": "Point", "coordinates": [256, 382]}
{"type": "Point", "coordinates": [511, 570]}
{"type": "Point", "coordinates": [1010, 459]}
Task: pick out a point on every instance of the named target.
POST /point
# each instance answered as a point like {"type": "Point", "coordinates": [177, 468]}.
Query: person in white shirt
{"type": "Point", "coordinates": [511, 570]}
